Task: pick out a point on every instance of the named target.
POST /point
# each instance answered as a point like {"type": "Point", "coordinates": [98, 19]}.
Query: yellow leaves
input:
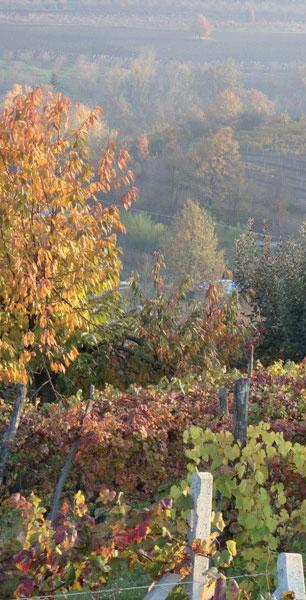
{"type": "Point", "coordinates": [73, 353]}
{"type": "Point", "coordinates": [79, 499]}
{"type": "Point", "coordinates": [232, 547]}
{"type": "Point", "coordinates": [206, 548]}
{"type": "Point", "coordinates": [123, 159]}
{"type": "Point", "coordinates": [28, 338]}
{"type": "Point", "coordinates": [26, 357]}
{"type": "Point", "coordinates": [77, 585]}
{"type": "Point", "coordinates": [44, 290]}
{"type": "Point", "coordinates": [47, 338]}
{"type": "Point", "coordinates": [80, 505]}
{"type": "Point", "coordinates": [58, 237]}
{"type": "Point", "coordinates": [43, 320]}
{"type": "Point", "coordinates": [35, 500]}
{"type": "Point", "coordinates": [13, 371]}
{"type": "Point", "coordinates": [57, 367]}
{"type": "Point", "coordinates": [129, 198]}
{"type": "Point", "coordinates": [69, 357]}
{"type": "Point", "coordinates": [218, 521]}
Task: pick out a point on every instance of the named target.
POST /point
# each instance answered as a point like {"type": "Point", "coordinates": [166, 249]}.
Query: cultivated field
{"type": "Point", "coordinates": [175, 45]}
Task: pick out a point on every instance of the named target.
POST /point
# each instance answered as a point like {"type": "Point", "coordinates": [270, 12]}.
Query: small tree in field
{"type": "Point", "coordinates": [191, 247]}
{"type": "Point", "coordinates": [202, 27]}
{"type": "Point", "coordinates": [57, 239]}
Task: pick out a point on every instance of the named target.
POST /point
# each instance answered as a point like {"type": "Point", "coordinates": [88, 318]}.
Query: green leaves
{"type": "Point", "coordinates": [184, 502]}
{"type": "Point", "coordinates": [181, 496]}
{"type": "Point", "coordinates": [70, 576]}
{"type": "Point", "coordinates": [232, 452]}
{"type": "Point", "coordinates": [253, 498]}
{"type": "Point", "coordinates": [260, 477]}
{"type": "Point", "coordinates": [218, 521]}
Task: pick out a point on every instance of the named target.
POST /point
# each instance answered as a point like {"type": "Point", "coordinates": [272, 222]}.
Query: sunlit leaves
{"type": "Point", "coordinates": [255, 487]}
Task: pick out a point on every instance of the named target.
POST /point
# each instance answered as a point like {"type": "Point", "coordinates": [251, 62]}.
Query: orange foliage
{"type": "Point", "coordinates": [57, 238]}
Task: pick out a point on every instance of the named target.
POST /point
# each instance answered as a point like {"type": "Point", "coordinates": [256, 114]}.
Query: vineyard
{"type": "Point", "coordinates": [140, 444]}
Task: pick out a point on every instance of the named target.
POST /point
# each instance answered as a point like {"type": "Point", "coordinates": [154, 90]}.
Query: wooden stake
{"type": "Point", "coordinates": [223, 404]}
{"type": "Point", "coordinates": [69, 460]}
{"type": "Point", "coordinates": [12, 428]}
{"type": "Point", "coordinates": [241, 405]}
{"type": "Point", "coordinates": [251, 363]}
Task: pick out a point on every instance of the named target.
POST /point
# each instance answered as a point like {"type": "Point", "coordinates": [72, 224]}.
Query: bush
{"type": "Point", "coordinates": [143, 234]}
{"type": "Point", "coordinates": [164, 336]}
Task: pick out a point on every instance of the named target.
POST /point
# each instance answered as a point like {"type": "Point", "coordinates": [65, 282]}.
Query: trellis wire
{"type": "Point", "coordinates": [140, 587]}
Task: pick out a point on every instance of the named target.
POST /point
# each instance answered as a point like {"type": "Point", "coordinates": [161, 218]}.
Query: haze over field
{"type": "Point", "coordinates": [180, 82]}
{"type": "Point", "coordinates": [170, 89]}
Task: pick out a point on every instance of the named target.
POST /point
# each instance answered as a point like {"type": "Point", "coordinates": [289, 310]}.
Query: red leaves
{"type": "Point", "coordinates": [22, 504]}
{"type": "Point", "coordinates": [204, 548]}
{"type": "Point", "coordinates": [166, 503]}
{"type": "Point", "coordinates": [134, 443]}
{"type": "Point", "coordinates": [60, 534]}
{"type": "Point", "coordinates": [121, 539]}
{"type": "Point", "coordinates": [65, 508]}
{"type": "Point", "coordinates": [25, 588]}
{"type": "Point", "coordinates": [124, 534]}
{"type": "Point", "coordinates": [140, 532]}
{"type": "Point", "coordinates": [23, 560]}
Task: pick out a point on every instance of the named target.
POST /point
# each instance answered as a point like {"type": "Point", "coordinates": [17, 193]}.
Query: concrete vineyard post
{"type": "Point", "coordinates": [200, 527]}
{"type": "Point", "coordinates": [162, 589]}
{"type": "Point", "coordinates": [290, 576]}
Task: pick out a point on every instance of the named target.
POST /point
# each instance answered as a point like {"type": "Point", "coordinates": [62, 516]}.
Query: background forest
{"type": "Point", "coordinates": [209, 120]}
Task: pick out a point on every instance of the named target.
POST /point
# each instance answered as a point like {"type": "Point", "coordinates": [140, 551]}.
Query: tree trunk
{"type": "Point", "coordinates": [69, 461]}
{"type": "Point", "coordinates": [11, 431]}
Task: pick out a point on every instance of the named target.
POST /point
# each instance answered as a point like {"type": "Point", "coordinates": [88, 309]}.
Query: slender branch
{"type": "Point", "coordinates": [57, 395]}
{"type": "Point", "coordinates": [12, 429]}
{"type": "Point", "coordinates": [69, 460]}
{"type": "Point", "coordinates": [251, 362]}
{"type": "Point", "coordinates": [37, 390]}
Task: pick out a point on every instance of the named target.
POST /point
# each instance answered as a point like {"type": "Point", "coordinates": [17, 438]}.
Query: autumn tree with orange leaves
{"type": "Point", "coordinates": [57, 238]}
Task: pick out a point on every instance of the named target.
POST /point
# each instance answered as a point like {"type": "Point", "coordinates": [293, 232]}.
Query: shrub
{"type": "Point", "coordinates": [164, 336]}
{"type": "Point", "coordinates": [142, 233]}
